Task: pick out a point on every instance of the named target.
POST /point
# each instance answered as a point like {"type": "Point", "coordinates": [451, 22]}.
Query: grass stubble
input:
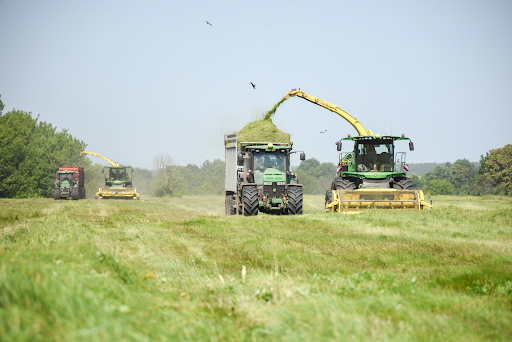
{"type": "Point", "coordinates": [171, 269]}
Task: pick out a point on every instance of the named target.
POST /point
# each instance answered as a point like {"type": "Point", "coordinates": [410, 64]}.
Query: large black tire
{"type": "Point", "coordinates": [250, 198]}
{"type": "Point", "coordinates": [294, 200]}
{"type": "Point", "coordinates": [229, 204]}
{"type": "Point", "coordinates": [342, 184]}
{"type": "Point", "coordinates": [56, 194]}
{"type": "Point", "coordinates": [328, 199]}
{"type": "Point", "coordinates": [403, 183]}
{"type": "Point", "coordinates": [75, 194]}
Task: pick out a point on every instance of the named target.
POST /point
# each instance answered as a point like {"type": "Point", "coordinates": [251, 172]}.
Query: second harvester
{"type": "Point", "coordinates": [118, 181]}
{"type": "Point", "coordinates": [372, 175]}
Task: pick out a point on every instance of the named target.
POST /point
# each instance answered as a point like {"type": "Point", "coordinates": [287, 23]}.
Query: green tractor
{"type": "Point", "coordinates": [118, 184]}
{"type": "Point", "coordinates": [120, 176]}
{"type": "Point", "coordinates": [372, 175]}
{"type": "Point", "coordinates": [259, 178]}
{"type": "Point", "coordinates": [118, 181]}
{"type": "Point", "coordinates": [69, 183]}
{"type": "Point", "coordinates": [372, 164]}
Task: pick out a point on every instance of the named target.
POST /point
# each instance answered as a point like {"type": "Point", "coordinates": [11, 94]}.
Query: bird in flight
{"type": "Point", "coordinates": [209, 23]}
{"type": "Point", "coordinates": [324, 131]}
{"type": "Point", "coordinates": [253, 85]}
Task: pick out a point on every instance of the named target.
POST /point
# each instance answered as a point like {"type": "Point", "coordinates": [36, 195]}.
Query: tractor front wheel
{"type": "Point", "coordinates": [342, 184]}
{"type": "Point", "coordinates": [230, 204]}
{"type": "Point", "coordinates": [56, 194]}
{"type": "Point", "coordinates": [295, 200]}
{"type": "Point", "coordinates": [75, 193]}
{"type": "Point", "coordinates": [403, 183]}
{"type": "Point", "coordinates": [328, 199]}
{"type": "Point", "coordinates": [250, 198]}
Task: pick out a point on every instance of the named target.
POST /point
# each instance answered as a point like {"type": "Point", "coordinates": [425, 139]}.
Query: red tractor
{"type": "Point", "coordinates": [69, 182]}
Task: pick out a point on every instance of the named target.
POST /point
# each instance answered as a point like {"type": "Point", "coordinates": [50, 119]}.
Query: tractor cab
{"type": "Point", "coordinates": [270, 162]}
{"type": "Point", "coordinates": [372, 157]}
{"type": "Point", "coordinates": [65, 179]}
{"type": "Point", "coordinates": [118, 176]}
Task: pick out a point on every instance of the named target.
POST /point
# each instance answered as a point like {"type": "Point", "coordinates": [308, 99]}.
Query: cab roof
{"type": "Point", "coordinates": [376, 137]}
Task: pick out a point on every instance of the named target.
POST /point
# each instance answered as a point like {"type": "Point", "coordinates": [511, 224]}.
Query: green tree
{"type": "Point", "coordinates": [165, 180]}
{"type": "Point", "coordinates": [142, 180]}
{"type": "Point", "coordinates": [2, 106]}
{"type": "Point", "coordinates": [315, 177]}
{"type": "Point", "coordinates": [463, 172]}
{"type": "Point", "coordinates": [441, 187]}
{"type": "Point", "coordinates": [175, 180]}
{"type": "Point", "coordinates": [483, 159]}
{"type": "Point", "coordinates": [498, 168]}
{"type": "Point", "coordinates": [417, 182]}
{"type": "Point", "coordinates": [32, 151]}
{"type": "Point", "coordinates": [482, 185]}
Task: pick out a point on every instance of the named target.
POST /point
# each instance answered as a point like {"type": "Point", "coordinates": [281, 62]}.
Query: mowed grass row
{"type": "Point", "coordinates": [170, 270]}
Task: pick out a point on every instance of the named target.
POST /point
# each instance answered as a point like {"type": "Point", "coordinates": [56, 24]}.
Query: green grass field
{"type": "Point", "coordinates": [170, 270]}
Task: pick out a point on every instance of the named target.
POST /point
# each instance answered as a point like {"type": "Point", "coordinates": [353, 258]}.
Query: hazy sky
{"type": "Point", "coordinates": [136, 78]}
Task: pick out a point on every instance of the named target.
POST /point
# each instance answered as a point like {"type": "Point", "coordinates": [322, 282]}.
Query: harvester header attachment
{"type": "Point", "coordinates": [118, 180]}
{"type": "Point", "coordinates": [117, 193]}
{"type": "Point", "coordinates": [364, 199]}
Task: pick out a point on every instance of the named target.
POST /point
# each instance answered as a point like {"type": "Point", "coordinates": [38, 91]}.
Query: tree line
{"type": "Point", "coordinates": [492, 177]}
{"type": "Point", "coordinates": [32, 150]}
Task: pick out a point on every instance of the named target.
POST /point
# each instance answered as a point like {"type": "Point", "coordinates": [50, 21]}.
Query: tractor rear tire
{"type": "Point", "coordinates": [75, 193]}
{"type": "Point", "coordinates": [328, 199]}
{"type": "Point", "coordinates": [295, 200]}
{"type": "Point", "coordinates": [56, 194]}
{"type": "Point", "coordinates": [250, 197]}
{"type": "Point", "coordinates": [403, 183]}
{"type": "Point", "coordinates": [342, 184]}
{"type": "Point", "coordinates": [230, 204]}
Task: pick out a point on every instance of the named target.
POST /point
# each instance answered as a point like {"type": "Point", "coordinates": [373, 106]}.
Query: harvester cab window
{"type": "Point", "coordinates": [117, 175]}
{"type": "Point", "coordinates": [374, 156]}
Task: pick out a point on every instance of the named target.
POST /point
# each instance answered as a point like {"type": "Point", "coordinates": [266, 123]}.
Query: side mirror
{"type": "Point", "coordinates": [102, 170]}
{"type": "Point", "coordinates": [240, 158]}
{"type": "Point", "coordinates": [338, 145]}
{"type": "Point", "coordinates": [411, 146]}
{"type": "Point", "coordinates": [302, 156]}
